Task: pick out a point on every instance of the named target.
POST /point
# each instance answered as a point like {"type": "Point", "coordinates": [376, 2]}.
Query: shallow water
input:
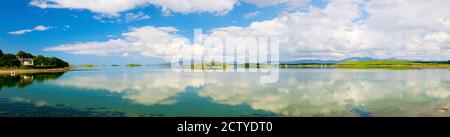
{"type": "Point", "coordinates": [158, 91]}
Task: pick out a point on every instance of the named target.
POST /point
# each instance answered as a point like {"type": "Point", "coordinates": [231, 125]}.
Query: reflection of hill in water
{"type": "Point", "coordinates": [24, 80]}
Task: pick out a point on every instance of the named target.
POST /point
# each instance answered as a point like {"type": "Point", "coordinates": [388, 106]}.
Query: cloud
{"type": "Point", "coordinates": [312, 94]}
{"type": "Point", "coordinates": [251, 14]}
{"type": "Point", "coordinates": [316, 33]}
{"type": "Point", "coordinates": [66, 27]}
{"type": "Point", "coordinates": [289, 3]}
{"type": "Point", "coordinates": [20, 32]}
{"type": "Point", "coordinates": [124, 18]}
{"type": "Point", "coordinates": [405, 28]}
{"type": "Point", "coordinates": [112, 11]}
{"type": "Point", "coordinates": [137, 88]}
{"type": "Point", "coordinates": [413, 29]}
{"type": "Point", "coordinates": [132, 17]}
{"type": "Point", "coordinates": [110, 7]}
{"type": "Point", "coordinates": [41, 28]}
{"type": "Point", "coordinates": [115, 7]}
{"type": "Point", "coordinates": [401, 29]}
{"type": "Point", "coordinates": [24, 31]}
{"type": "Point", "coordinates": [148, 41]}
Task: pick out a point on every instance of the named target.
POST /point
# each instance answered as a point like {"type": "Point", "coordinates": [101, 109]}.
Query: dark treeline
{"type": "Point", "coordinates": [11, 60]}
{"type": "Point", "coordinates": [435, 62]}
{"type": "Point", "coordinates": [8, 60]}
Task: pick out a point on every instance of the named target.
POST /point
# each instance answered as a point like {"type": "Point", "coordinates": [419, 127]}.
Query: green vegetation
{"type": "Point", "coordinates": [84, 66]}
{"type": "Point", "coordinates": [209, 65]}
{"type": "Point", "coordinates": [435, 62]}
{"type": "Point", "coordinates": [11, 60]}
{"type": "Point", "coordinates": [374, 64]}
{"type": "Point", "coordinates": [134, 65]}
{"type": "Point", "coordinates": [255, 65]}
{"type": "Point", "coordinates": [115, 65]}
{"type": "Point", "coordinates": [306, 65]}
{"type": "Point", "coordinates": [49, 62]}
{"type": "Point", "coordinates": [218, 65]}
{"type": "Point", "coordinates": [389, 64]}
{"type": "Point", "coordinates": [90, 65]}
{"type": "Point", "coordinates": [23, 54]}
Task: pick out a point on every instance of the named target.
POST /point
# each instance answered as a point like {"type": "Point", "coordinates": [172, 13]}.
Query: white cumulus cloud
{"type": "Point", "coordinates": [149, 41]}
{"type": "Point", "coordinates": [115, 7]}
{"type": "Point", "coordinates": [289, 3]}
{"type": "Point", "coordinates": [24, 31]}
{"type": "Point", "coordinates": [404, 29]}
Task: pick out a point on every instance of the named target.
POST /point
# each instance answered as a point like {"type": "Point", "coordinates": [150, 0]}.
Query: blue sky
{"type": "Point", "coordinates": [78, 25]}
{"type": "Point", "coordinates": [71, 25]}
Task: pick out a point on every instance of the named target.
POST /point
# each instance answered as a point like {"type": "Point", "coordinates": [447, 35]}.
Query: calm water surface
{"type": "Point", "coordinates": [154, 91]}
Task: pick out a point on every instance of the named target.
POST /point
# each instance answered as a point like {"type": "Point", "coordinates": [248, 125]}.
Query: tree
{"type": "Point", "coordinates": [2, 61]}
{"type": "Point", "coordinates": [23, 54]}
{"type": "Point", "coordinates": [9, 60]}
{"type": "Point", "coordinates": [59, 62]}
{"type": "Point", "coordinates": [42, 61]}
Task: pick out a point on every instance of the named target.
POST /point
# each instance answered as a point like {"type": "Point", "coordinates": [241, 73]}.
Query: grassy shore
{"type": "Point", "coordinates": [373, 64]}
{"type": "Point", "coordinates": [4, 71]}
{"type": "Point", "coordinates": [389, 64]}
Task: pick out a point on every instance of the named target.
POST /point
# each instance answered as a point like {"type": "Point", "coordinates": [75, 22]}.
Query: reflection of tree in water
{"type": "Point", "coordinates": [22, 81]}
{"type": "Point", "coordinates": [10, 108]}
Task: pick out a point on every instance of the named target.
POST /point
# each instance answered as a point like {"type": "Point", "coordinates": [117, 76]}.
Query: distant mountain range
{"type": "Point", "coordinates": [345, 60]}
{"type": "Point", "coordinates": [333, 61]}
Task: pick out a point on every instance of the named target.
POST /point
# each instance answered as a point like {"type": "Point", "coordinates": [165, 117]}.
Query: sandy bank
{"type": "Point", "coordinates": [31, 71]}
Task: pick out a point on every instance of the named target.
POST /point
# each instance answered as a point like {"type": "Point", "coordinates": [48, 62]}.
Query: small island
{"type": "Point", "coordinates": [133, 65]}
{"type": "Point", "coordinates": [26, 63]}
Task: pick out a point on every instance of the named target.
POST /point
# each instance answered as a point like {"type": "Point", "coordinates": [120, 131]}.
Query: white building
{"type": "Point", "coordinates": [27, 61]}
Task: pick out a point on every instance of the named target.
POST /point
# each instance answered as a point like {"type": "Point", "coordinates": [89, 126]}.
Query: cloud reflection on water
{"type": "Point", "coordinates": [301, 92]}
